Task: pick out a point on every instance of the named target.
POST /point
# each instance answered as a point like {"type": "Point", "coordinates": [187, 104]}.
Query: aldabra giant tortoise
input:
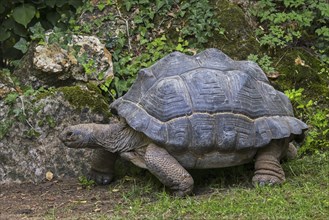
{"type": "Point", "coordinates": [186, 112]}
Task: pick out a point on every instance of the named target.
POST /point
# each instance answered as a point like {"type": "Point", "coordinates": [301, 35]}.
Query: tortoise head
{"type": "Point", "coordinates": [78, 136]}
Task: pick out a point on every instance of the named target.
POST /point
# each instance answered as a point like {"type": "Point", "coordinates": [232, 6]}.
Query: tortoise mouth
{"type": "Point", "coordinates": [73, 139]}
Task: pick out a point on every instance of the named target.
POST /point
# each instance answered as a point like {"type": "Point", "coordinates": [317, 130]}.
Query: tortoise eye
{"type": "Point", "coordinates": [69, 134]}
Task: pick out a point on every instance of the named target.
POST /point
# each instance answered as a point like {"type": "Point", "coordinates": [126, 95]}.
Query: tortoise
{"type": "Point", "coordinates": [194, 112]}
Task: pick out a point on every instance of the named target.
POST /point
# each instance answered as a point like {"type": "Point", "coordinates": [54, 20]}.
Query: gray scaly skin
{"type": "Point", "coordinates": [118, 139]}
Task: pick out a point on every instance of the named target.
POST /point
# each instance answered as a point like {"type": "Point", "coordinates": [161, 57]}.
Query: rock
{"type": "Point", "coordinates": [59, 90]}
{"type": "Point", "coordinates": [52, 58]}
{"type": "Point", "coordinates": [98, 59]}
{"type": "Point", "coordinates": [6, 84]}
{"type": "Point", "coordinates": [50, 65]}
{"type": "Point", "coordinates": [239, 39]}
{"type": "Point", "coordinates": [30, 147]}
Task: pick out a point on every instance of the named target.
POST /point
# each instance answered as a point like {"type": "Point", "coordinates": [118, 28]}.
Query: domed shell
{"type": "Point", "coordinates": [207, 102]}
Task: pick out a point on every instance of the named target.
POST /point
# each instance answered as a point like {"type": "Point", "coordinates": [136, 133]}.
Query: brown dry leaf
{"type": "Point", "coordinates": [138, 37]}
{"type": "Point", "coordinates": [299, 61]}
{"type": "Point", "coordinates": [49, 176]}
{"type": "Point", "coordinates": [171, 14]}
{"type": "Point", "coordinates": [161, 31]}
{"type": "Point", "coordinates": [169, 25]}
{"type": "Point", "coordinates": [94, 2]}
{"type": "Point", "coordinates": [19, 90]}
{"type": "Point", "coordinates": [273, 75]}
{"type": "Point", "coordinates": [108, 55]}
{"type": "Point", "coordinates": [79, 201]}
{"type": "Point", "coordinates": [193, 51]}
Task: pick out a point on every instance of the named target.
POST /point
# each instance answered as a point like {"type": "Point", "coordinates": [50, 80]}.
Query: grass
{"type": "Point", "coordinates": [227, 194]}
{"type": "Point", "coordinates": [305, 195]}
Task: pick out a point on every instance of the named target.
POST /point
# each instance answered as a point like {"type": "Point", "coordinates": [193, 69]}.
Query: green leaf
{"type": "Point", "coordinates": [22, 45]}
{"type": "Point", "coordinates": [143, 1]}
{"type": "Point", "coordinates": [2, 8]}
{"type": "Point", "coordinates": [128, 5]}
{"type": "Point", "coordinates": [50, 3]}
{"type": "Point", "coordinates": [159, 4]}
{"type": "Point", "coordinates": [20, 30]}
{"type": "Point", "coordinates": [4, 35]}
{"type": "Point", "coordinates": [179, 47]}
{"type": "Point", "coordinates": [75, 3]}
{"type": "Point", "coordinates": [138, 19]}
{"type": "Point", "coordinates": [38, 32]}
{"type": "Point", "coordinates": [11, 98]}
{"type": "Point", "coordinates": [23, 14]}
{"type": "Point", "coordinates": [53, 17]}
{"type": "Point", "coordinates": [8, 24]}
{"type": "Point", "coordinates": [60, 3]}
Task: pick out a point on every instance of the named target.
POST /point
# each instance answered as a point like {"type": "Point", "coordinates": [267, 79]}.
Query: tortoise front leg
{"type": "Point", "coordinates": [167, 169]}
{"type": "Point", "coordinates": [268, 169]}
{"type": "Point", "coordinates": [102, 166]}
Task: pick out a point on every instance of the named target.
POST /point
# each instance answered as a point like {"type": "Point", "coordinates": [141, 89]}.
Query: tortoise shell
{"type": "Point", "coordinates": [207, 102]}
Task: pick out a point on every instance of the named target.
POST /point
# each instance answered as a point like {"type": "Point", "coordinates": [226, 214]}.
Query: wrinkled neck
{"type": "Point", "coordinates": [118, 137]}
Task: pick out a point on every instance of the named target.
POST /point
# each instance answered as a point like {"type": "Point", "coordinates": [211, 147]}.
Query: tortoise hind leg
{"type": "Point", "coordinates": [268, 169]}
{"type": "Point", "coordinates": [167, 169]}
{"type": "Point", "coordinates": [102, 166]}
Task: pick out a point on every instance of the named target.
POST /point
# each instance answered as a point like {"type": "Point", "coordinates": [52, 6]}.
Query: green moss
{"type": "Point", "coordinates": [89, 97]}
{"type": "Point", "coordinates": [239, 40]}
{"type": "Point", "coordinates": [293, 74]}
{"type": "Point", "coordinates": [94, 87]}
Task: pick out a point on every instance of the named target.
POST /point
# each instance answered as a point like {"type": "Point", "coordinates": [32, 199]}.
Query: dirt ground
{"type": "Point", "coordinates": [30, 201]}
{"type": "Point", "coordinates": [67, 199]}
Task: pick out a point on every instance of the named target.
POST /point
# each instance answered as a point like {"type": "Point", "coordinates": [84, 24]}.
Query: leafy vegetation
{"type": "Point", "coordinates": [148, 30]}
{"type": "Point", "coordinates": [85, 183]}
{"type": "Point", "coordinates": [293, 23]}
{"type": "Point", "coordinates": [144, 24]}
{"type": "Point", "coordinates": [17, 21]}
{"type": "Point", "coordinates": [317, 117]}
{"type": "Point", "coordinates": [265, 62]}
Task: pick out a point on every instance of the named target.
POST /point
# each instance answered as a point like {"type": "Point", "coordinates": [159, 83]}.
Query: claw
{"type": "Point", "coordinates": [265, 180]}
{"type": "Point", "coordinates": [100, 178]}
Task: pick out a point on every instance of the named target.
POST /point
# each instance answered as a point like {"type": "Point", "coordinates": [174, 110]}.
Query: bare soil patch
{"type": "Point", "coordinates": [65, 197]}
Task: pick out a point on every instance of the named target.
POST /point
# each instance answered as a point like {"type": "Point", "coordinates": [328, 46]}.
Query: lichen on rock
{"type": "Point", "coordinates": [52, 58]}
{"type": "Point", "coordinates": [95, 59]}
{"type": "Point", "coordinates": [30, 148]}
{"type": "Point", "coordinates": [85, 59]}
{"type": "Point", "coordinates": [45, 99]}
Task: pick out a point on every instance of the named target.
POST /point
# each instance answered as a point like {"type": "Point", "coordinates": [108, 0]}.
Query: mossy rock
{"type": "Point", "coordinates": [301, 69]}
{"type": "Point", "coordinates": [86, 97]}
{"type": "Point", "coordinates": [238, 41]}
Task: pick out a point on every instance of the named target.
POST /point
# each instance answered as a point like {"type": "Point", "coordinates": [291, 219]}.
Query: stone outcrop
{"type": "Point", "coordinates": [31, 120]}
{"type": "Point", "coordinates": [86, 60]}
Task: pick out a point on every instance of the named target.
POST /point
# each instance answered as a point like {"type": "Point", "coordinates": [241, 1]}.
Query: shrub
{"type": "Point", "coordinates": [293, 23]}
{"type": "Point", "coordinates": [17, 20]}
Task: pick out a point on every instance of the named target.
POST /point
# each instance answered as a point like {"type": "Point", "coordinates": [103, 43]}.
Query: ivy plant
{"type": "Point", "coordinates": [17, 19]}
{"type": "Point", "coordinates": [292, 23]}
{"type": "Point", "coordinates": [315, 116]}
